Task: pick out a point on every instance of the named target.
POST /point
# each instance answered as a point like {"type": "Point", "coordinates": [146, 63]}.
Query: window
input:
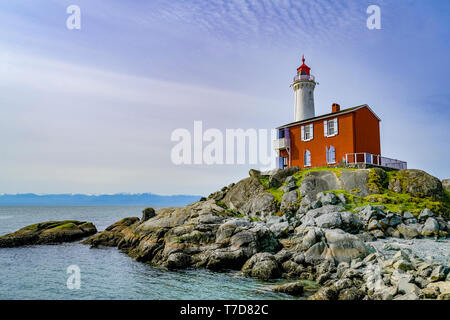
{"type": "Point", "coordinates": [330, 127]}
{"type": "Point", "coordinates": [307, 158]}
{"type": "Point", "coordinates": [307, 132]}
{"type": "Point", "coordinates": [331, 155]}
{"type": "Point", "coordinates": [285, 162]}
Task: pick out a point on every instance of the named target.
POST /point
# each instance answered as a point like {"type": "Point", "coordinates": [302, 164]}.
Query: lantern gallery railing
{"type": "Point", "coordinates": [304, 77]}
{"type": "Point", "coordinates": [374, 159]}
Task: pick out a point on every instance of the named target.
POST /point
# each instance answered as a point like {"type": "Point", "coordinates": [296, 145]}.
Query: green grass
{"type": "Point", "coordinates": [66, 225]}
{"type": "Point", "coordinates": [394, 202]}
{"type": "Point", "coordinates": [378, 184]}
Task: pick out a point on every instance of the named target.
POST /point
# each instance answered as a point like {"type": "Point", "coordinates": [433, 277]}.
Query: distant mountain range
{"type": "Point", "coordinates": [119, 199]}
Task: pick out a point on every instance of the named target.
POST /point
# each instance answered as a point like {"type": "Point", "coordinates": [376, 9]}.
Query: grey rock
{"type": "Point", "coordinates": [373, 224]}
{"type": "Point", "coordinates": [318, 181]}
{"type": "Point", "coordinates": [417, 183]}
{"type": "Point", "coordinates": [289, 187]}
{"type": "Point", "coordinates": [425, 214]}
{"type": "Point", "coordinates": [350, 222]}
{"type": "Point", "coordinates": [262, 205]}
{"type": "Point", "coordinates": [280, 228]}
{"type": "Point", "coordinates": [342, 199]}
{"type": "Point", "coordinates": [410, 231]}
{"type": "Point", "coordinates": [289, 199]}
{"type": "Point", "coordinates": [394, 220]}
{"type": "Point", "coordinates": [430, 228]}
{"type": "Point", "coordinates": [290, 179]}
{"type": "Point", "coordinates": [327, 198]}
{"type": "Point", "coordinates": [329, 220]}
{"type": "Point", "coordinates": [262, 266]}
{"type": "Point", "coordinates": [293, 289]}
{"type": "Point", "coordinates": [178, 260]}
{"type": "Point", "coordinates": [439, 273]}
{"type": "Point", "coordinates": [279, 176]}
{"type": "Point", "coordinates": [408, 215]}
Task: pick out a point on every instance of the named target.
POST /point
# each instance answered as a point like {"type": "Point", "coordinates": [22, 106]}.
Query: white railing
{"type": "Point", "coordinates": [304, 77]}
{"type": "Point", "coordinates": [282, 143]}
{"type": "Point", "coordinates": [374, 159]}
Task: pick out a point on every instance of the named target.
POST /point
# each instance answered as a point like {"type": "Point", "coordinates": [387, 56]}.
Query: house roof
{"type": "Point", "coordinates": [330, 115]}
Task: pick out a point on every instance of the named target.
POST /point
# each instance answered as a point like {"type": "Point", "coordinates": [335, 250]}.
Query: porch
{"type": "Point", "coordinates": [364, 158]}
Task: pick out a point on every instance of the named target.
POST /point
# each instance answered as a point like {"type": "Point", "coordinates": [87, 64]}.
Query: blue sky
{"type": "Point", "coordinates": [92, 110]}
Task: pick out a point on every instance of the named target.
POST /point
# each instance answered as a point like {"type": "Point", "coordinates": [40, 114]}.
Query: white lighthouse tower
{"type": "Point", "coordinates": [304, 84]}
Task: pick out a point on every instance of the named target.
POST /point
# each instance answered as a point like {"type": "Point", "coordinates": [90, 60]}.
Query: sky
{"type": "Point", "coordinates": [92, 110]}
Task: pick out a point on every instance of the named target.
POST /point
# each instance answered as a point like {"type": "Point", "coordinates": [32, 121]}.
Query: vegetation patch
{"type": "Point", "coordinates": [65, 226]}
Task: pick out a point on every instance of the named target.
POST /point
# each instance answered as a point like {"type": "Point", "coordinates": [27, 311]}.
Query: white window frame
{"type": "Point", "coordinates": [326, 128]}
{"type": "Point", "coordinates": [328, 154]}
{"type": "Point", "coordinates": [305, 158]}
{"type": "Point", "coordinates": [310, 129]}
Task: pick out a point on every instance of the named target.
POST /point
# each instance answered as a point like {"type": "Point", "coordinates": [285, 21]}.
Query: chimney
{"type": "Point", "coordinates": [335, 107]}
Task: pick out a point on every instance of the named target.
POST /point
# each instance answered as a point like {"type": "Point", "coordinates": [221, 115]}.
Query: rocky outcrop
{"type": "Point", "coordinates": [50, 232]}
{"type": "Point", "coordinates": [417, 183]}
{"type": "Point", "coordinates": [202, 234]}
{"type": "Point", "coordinates": [112, 235]}
{"type": "Point", "coordinates": [305, 226]}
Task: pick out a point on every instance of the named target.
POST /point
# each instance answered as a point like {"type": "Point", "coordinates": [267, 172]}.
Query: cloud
{"type": "Point", "coordinates": [71, 124]}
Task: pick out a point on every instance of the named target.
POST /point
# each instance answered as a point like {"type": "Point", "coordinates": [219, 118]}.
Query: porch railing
{"type": "Point", "coordinates": [282, 143]}
{"type": "Point", "coordinates": [374, 159]}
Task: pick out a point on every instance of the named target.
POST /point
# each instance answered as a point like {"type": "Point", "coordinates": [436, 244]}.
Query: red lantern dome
{"type": "Point", "coordinates": [304, 69]}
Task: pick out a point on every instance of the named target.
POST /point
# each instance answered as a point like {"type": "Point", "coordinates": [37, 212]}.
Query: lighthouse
{"type": "Point", "coordinates": [303, 85]}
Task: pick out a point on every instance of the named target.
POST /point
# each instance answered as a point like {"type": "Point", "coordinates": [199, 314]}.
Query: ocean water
{"type": "Point", "coordinates": [40, 272]}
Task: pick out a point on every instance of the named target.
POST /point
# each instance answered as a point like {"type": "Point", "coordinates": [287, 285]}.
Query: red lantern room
{"type": "Point", "coordinates": [303, 69]}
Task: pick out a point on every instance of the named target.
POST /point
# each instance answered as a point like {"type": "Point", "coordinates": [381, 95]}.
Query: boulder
{"type": "Point", "coordinates": [148, 213]}
{"type": "Point", "coordinates": [405, 287]}
{"type": "Point", "coordinates": [310, 217]}
{"type": "Point", "coordinates": [293, 288]}
{"type": "Point", "coordinates": [280, 229]}
{"type": "Point", "coordinates": [289, 187]}
{"type": "Point", "coordinates": [226, 259]}
{"type": "Point", "coordinates": [425, 214]}
{"type": "Point", "coordinates": [417, 183]}
{"type": "Point", "coordinates": [327, 198]}
{"type": "Point", "coordinates": [262, 266]}
{"type": "Point", "coordinates": [351, 294]}
{"type": "Point", "coordinates": [410, 231]}
{"type": "Point", "coordinates": [262, 205]}
{"type": "Point", "coordinates": [319, 181]}
{"type": "Point", "coordinates": [329, 220]}
{"type": "Point", "coordinates": [337, 245]}
{"type": "Point", "coordinates": [355, 181]}
{"type": "Point", "coordinates": [343, 247]}
{"type": "Point", "coordinates": [50, 232]}
{"type": "Point", "coordinates": [112, 235]}
{"type": "Point", "coordinates": [325, 293]}
{"type": "Point", "coordinates": [430, 228]}
{"type": "Point", "coordinates": [289, 200]}
{"type": "Point", "coordinates": [439, 273]}
{"type": "Point", "coordinates": [279, 175]}
{"type": "Point", "coordinates": [178, 260]}
{"type": "Point", "coordinates": [242, 193]}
